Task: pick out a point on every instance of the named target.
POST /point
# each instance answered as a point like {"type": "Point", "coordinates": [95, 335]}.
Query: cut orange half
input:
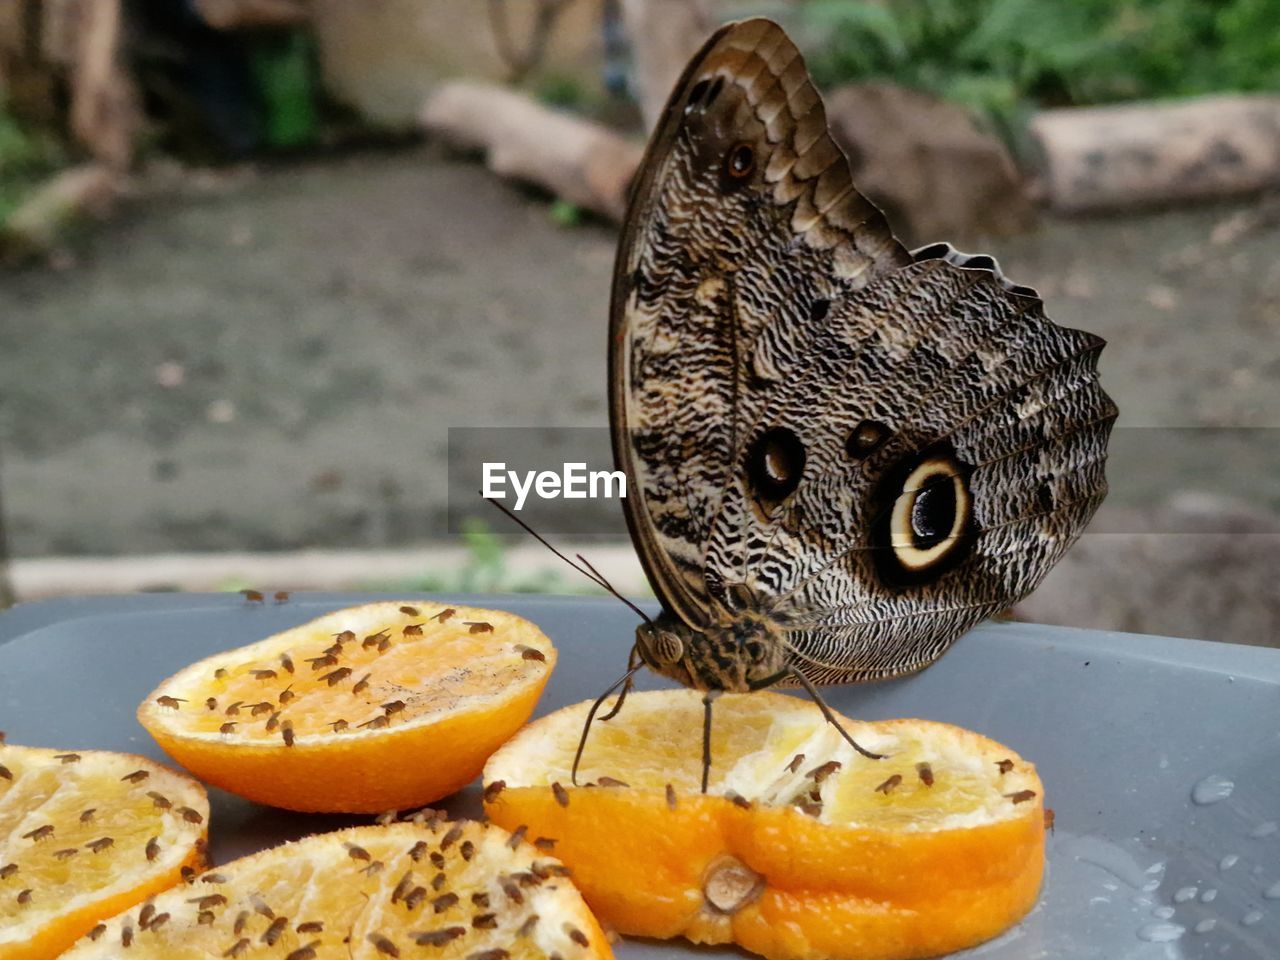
{"type": "Point", "coordinates": [438, 890]}
{"type": "Point", "coordinates": [801, 848]}
{"type": "Point", "coordinates": [379, 707]}
{"type": "Point", "coordinates": [85, 835]}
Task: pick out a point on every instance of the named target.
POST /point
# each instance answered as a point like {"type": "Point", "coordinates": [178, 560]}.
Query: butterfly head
{"type": "Point", "coordinates": [662, 644]}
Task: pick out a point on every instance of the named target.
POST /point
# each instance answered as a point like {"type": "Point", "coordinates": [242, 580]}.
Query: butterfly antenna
{"type": "Point", "coordinates": [591, 716]}
{"type": "Point", "coordinates": [587, 570]}
{"type": "Point", "coordinates": [593, 577]}
{"type": "Point", "coordinates": [831, 717]}
{"type": "Point", "coordinates": [608, 586]}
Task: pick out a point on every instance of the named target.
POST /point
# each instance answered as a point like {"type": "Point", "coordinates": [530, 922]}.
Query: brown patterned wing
{"type": "Point", "coordinates": [951, 446]}
{"type": "Point", "coordinates": [872, 449]}
{"type": "Point", "coordinates": [743, 228]}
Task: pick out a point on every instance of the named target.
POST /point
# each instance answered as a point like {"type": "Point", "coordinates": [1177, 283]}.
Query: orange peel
{"type": "Point", "coordinates": [435, 889]}
{"type": "Point", "coordinates": [377, 707]}
{"type": "Point", "coordinates": [85, 835]}
{"type": "Point", "coordinates": [801, 849]}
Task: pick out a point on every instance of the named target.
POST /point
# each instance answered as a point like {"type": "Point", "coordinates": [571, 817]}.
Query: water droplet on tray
{"type": "Point", "coordinates": [1163, 913]}
{"type": "Point", "coordinates": [1272, 892]}
{"type": "Point", "coordinates": [1184, 894]}
{"type": "Point", "coordinates": [1212, 789]}
{"type": "Point", "coordinates": [1209, 895]}
{"type": "Point", "coordinates": [1110, 858]}
{"type": "Point", "coordinates": [1229, 861]}
{"type": "Point", "coordinates": [1205, 925]}
{"type": "Point", "coordinates": [1264, 829]}
{"type": "Point", "coordinates": [1251, 918]}
{"type": "Point", "coordinates": [1161, 932]}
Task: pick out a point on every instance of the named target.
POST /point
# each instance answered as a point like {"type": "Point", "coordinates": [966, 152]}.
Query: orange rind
{"type": "Point", "coordinates": [435, 889]}
{"type": "Point", "coordinates": [85, 835]}
{"type": "Point", "coordinates": [801, 849]}
{"type": "Point", "coordinates": [379, 707]}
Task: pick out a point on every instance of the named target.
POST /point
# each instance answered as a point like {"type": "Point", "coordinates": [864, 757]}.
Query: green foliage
{"type": "Point", "coordinates": [1003, 57]}
{"type": "Point", "coordinates": [285, 73]}
{"type": "Point", "coordinates": [563, 90]}
{"type": "Point", "coordinates": [16, 148]}
{"type": "Point", "coordinates": [563, 213]}
{"type": "Point", "coordinates": [485, 570]}
{"type": "Point", "coordinates": [25, 160]}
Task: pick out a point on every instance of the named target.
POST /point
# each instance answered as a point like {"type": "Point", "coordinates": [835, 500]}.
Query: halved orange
{"type": "Point", "coordinates": [378, 707]}
{"type": "Point", "coordinates": [801, 848]}
{"type": "Point", "coordinates": [436, 890]}
{"type": "Point", "coordinates": [85, 835]}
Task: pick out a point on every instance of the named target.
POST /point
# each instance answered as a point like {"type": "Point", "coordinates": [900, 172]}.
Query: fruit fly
{"type": "Point", "coordinates": [890, 785]}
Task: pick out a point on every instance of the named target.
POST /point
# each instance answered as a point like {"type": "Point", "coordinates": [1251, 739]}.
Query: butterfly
{"type": "Point", "coordinates": [841, 455]}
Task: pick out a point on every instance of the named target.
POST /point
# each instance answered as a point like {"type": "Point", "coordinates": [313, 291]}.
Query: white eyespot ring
{"type": "Point", "coordinates": [930, 515]}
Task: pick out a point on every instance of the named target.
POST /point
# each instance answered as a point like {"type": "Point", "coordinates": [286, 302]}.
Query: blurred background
{"type": "Point", "coordinates": [259, 256]}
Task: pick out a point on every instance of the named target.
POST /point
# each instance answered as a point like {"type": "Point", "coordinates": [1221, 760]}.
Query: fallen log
{"type": "Point", "coordinates": [251, 14]}
{"type": "Point", "coordinates": [40, 223]}
{"type": "Point", "coordinates": [580, 161]}
{"type": "Point", "coordinates": [1117, 157]}
{"type": "Point", "coordinates": [928, 165]}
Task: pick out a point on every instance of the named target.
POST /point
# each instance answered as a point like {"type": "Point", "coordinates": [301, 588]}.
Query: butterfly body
{"type": "Point", "coordinates": [841, 455]}
{"type": "Point", "coordinates": [739, 654]}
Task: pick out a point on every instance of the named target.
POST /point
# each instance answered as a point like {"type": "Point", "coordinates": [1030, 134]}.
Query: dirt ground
{"type": "Point", "coordinates": [270, 359]}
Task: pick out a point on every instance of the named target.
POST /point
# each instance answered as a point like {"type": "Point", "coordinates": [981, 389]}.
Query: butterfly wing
{"type": "Point", "coordinates": [742, 221]}
{"type": "Point", "coordinates": [955, 447]}
{"type": "Point", "coordinates": [876, 450]}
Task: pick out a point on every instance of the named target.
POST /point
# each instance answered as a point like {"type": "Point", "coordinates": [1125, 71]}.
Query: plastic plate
{"type": "Point", "coordinates": [1160, 757]}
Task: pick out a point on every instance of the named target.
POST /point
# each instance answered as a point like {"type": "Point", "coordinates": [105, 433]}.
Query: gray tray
{"type": "Point", "coordinates": [1160, 757]}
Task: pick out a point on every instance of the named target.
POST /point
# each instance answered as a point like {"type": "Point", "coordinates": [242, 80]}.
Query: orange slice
{"type": "Point", "coordinates": [439, 890]}
{"type": "Point", "coordinates": [379, 707]}
{"type": "Point", "coordinates": [84, 836]}
{"type": "Point", "coordinates": [801, 848]}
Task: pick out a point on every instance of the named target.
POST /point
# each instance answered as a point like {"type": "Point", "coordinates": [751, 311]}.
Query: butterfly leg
{"type": "Point", "coordinates": [708, 698]}
{"type": "Point", "coordinates": [769, 681]}
{"type": "Point", "coordinates": [591, 716]}
{"type": "Point", "coordinates": [831, 717]}
{"type": "Point", "coordinates": [633, 661]}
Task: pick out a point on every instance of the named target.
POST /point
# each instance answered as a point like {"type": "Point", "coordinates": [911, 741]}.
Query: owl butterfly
{"type": "Point", "coordinates": [841, 455]}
